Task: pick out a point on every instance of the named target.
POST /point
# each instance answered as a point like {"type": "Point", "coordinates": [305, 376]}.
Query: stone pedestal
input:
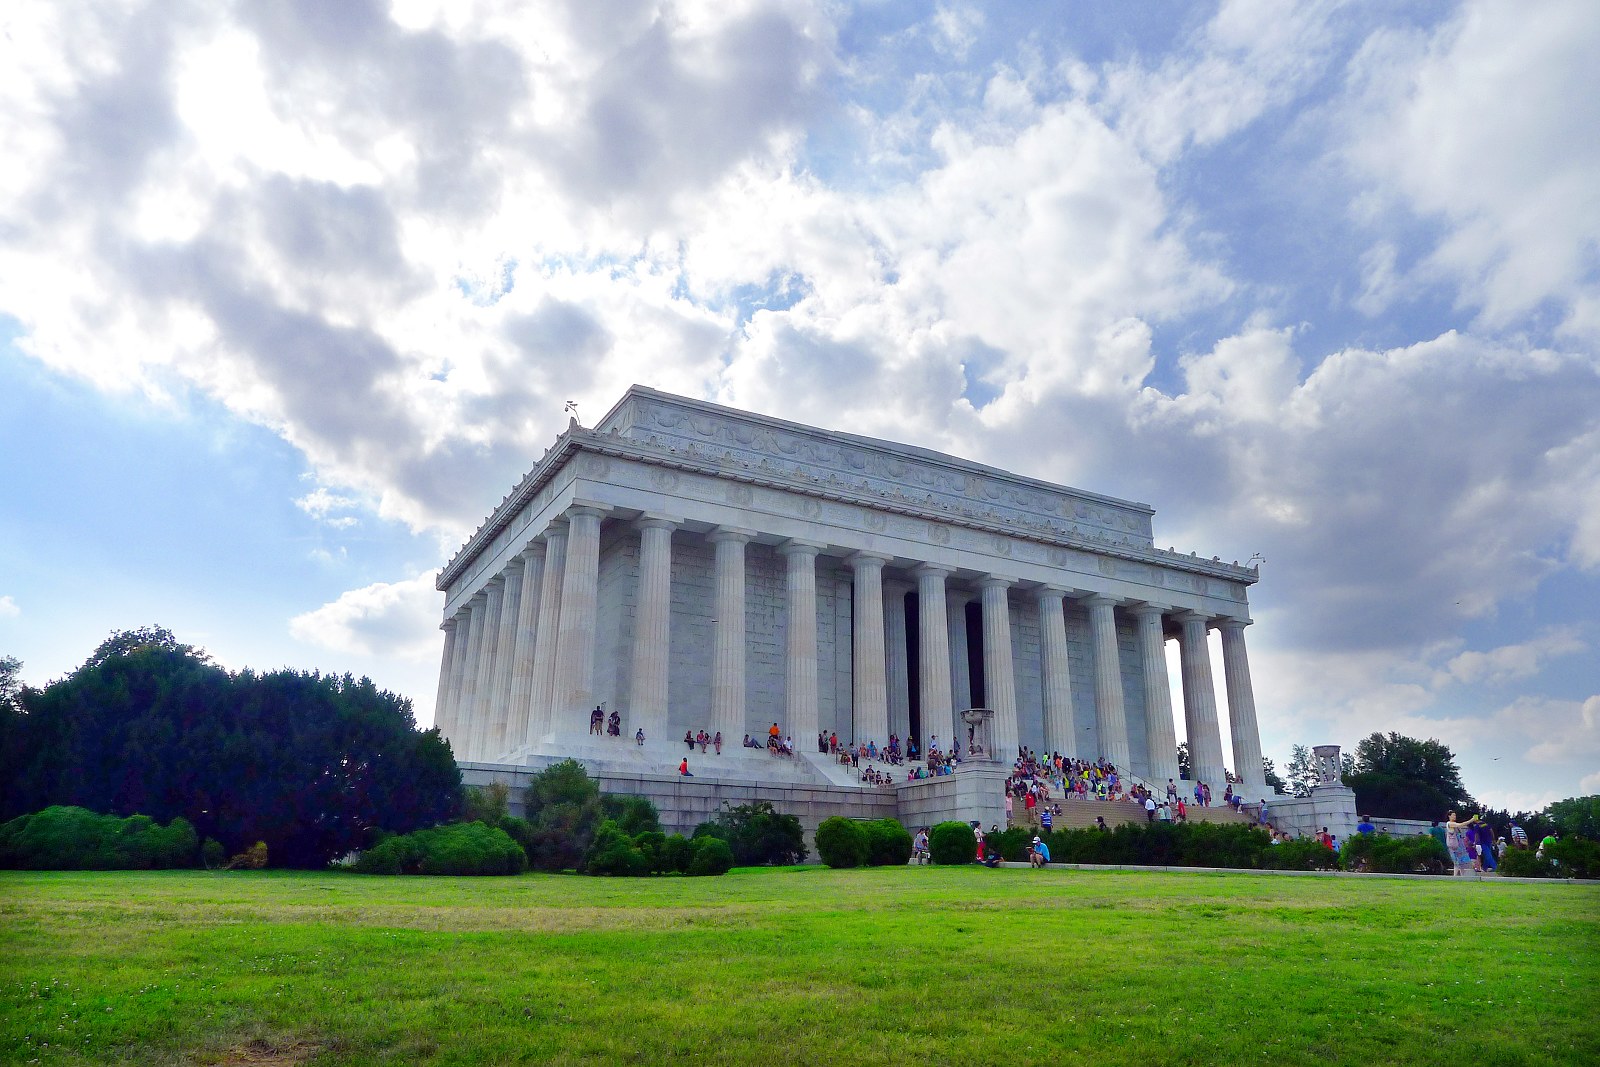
{"type": "Point", "coordinates": [974, 793]}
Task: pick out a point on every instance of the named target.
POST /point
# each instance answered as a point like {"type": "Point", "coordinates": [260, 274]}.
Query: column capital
{"type": "Point", "coordinates": [448, 624]}
{"type": "Point", "coordinates": [1048, 592]}
{"type": "Point", "coordinates": [499, 576]}
{"type": "Point", "coordinates": [993, 581]}
{"type": "Point", "coordinates": [797, 547]}
{"type": "Point", "coordinates": [1143, 608]}
{"type": "Point", "coordinates": [1094, 600]}
{"type": "Point", "coordinates": [586, 507]}
{"type": "Point", "coordinates": [651, 520]}
{"type": "Point", "coordinates": [869, 560]}
{"type": "Point", "coordinates": [1187, 617]}
{"type": "Point", "coordinates": [735, 534]}
{"type": "Point", "coordinates": [932, 569]}
{"type": "Point", "coordinates": [1228, 622]}
{"type": "Point", "coordinates": [556, 527]}
{"type": "Point", "coordinates": [534, 549]}
{"type": "Point", "coordinates": [477, 598]}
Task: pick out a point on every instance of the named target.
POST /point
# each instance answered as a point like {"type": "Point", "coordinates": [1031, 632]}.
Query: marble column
{"type": "Point", "coordinates": [1060, 733]}
{"type": "Point", "coordinates": [488, 653]}
{"type": "Point", "coordinates": [955, 608]}
{"type": "Point", "coordinates": [999, 668]}
{"type": "Point", "coordinates": [466, 701]}
{"type": "Point", "coordinates": [1111, 723]}
{"type": "Point", "coordinates": [1242, 709]}
{"type": "Point", "coordinates": [871, 672]}
{"type": "Point", "coordinates": [1158, 723]}
{"type": "Point", "coordinates": [573, 693]}
{"type": "Point", "coordinates": [547, 632]}
{"type": "Point", "coordinates": [458, 670]}
{"type": "Point", "coordinates": [652, 630]}
{"type": "Point", "coordinates": [728, 710]}
{"type": "Point", "coordinates": [897, 661]}
{"type": "Point", "coordinates": [441, 703]}
{"type": "Point", "coordinates": [800, 641]}
{"type": "Point", "coordinates": [505, 652]}
{"type": "Point", "coordinates": [1200, 705]}
{"type": "Point", "coordinates": [933, 658]}
{"type": "Point", "coordinates": [519, 715]}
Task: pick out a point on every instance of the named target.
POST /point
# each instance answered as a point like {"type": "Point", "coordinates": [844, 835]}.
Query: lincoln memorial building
{"type": "Point", "coordinates": [690, 566]}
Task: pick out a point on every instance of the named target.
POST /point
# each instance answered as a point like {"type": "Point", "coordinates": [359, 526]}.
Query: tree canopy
{"type": "Point", "coordinates": [308, 763]}
{"type": "Point", "coordinates": [1405, 778]}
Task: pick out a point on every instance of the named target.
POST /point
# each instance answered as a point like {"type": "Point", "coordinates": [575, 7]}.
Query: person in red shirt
{"type": "Point", "coordinates": [683, 768]}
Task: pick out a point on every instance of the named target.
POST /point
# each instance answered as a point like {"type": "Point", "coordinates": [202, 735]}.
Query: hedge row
{"type": "Point", "coordinates": [845, 842]}
{"type": "Point", "coordinates": [68, 838]}
{"type": "Point", "coordinates": [457, 848]}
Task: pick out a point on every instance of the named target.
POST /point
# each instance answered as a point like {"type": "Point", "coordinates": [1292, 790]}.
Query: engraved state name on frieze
{"type": "Point", "coordinates": [882, 474]}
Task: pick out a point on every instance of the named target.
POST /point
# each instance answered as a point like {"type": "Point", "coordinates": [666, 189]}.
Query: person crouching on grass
{"type": "Point", "coordinates": [1040, 856]}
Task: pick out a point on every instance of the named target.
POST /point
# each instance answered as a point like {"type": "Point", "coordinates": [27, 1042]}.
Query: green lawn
{"type": "Point", "coordinates": [885, 966]}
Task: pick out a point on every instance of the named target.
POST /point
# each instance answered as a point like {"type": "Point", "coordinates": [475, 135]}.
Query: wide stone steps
{"type": "Point", "coordinates": [1080, 814]}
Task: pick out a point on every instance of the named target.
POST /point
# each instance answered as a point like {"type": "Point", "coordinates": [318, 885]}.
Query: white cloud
{"type": "Point", "coordinates": [1512, 662]}
{"type": "Point", "coordinates": [9, 608]}
{"type": "Point", "coordinates": [395, 619]}
{"type": "Point", "coordinates": [1487, 127]}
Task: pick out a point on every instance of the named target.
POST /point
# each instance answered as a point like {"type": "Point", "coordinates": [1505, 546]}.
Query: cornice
{"type": "Point", "coordinates": [577, 439]}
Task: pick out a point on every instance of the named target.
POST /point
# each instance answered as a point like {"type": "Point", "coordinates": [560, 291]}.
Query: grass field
{"type": "Point", "coordinates": [884, 966]}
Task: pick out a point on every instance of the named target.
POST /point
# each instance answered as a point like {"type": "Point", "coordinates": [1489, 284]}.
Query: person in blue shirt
{"type": "Point", "coordinates": [1046, 819]}
{"type": "Point", "coordinates": [1365, 826]}
{"type": "Point", "coordinates": [1040, 854]}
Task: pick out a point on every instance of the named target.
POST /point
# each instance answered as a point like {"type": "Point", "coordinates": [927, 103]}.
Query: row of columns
{"type": "Point", "coordinates": [519, 658]}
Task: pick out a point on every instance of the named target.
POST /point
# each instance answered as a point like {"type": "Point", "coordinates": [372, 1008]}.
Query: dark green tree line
{"type": "Point", "coordinates": [308, 763]}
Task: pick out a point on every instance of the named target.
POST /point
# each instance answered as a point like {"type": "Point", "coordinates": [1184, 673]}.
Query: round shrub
{"type": "Point", "coordinates": [614, 853]}
{"type": "Point", "coordinates": [952, 842]}
{"type": "Point", "coordinates": [459, 848]}
{"type": "Point", "coordinates": [1395, 855]}
{"type": "Point", "coordinates": [676, 854]}
{"type": "Point", "coordinates": [711, 856]}
{"type": "Point", "coordinates": [213, 854]}
{"type": "Point", "coordinates": [842, 842]}
{"type": "Point", "coordinates": [1525, 863]}
{"type": "Point", "coordinates": [1301, 854]}
{"type": "Point", "coordinates": [70, 838]}
{"type": "Point", "coordinates": [888, 843]}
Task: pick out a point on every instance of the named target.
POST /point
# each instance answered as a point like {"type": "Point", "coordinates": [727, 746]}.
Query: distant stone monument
{"type": "Point", "coordinates": [980, 735]}
{"type": "Point", "coordinates": [1329, 769]}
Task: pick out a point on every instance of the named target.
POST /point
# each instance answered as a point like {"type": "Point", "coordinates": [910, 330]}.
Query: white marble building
{"type": "Point", "coordinates": [694, 566]}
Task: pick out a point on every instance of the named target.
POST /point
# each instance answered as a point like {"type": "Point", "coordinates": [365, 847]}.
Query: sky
{"type": "Point", "coordinates": [291, 294]}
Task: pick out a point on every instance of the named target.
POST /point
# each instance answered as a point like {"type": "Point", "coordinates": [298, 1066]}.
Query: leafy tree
{"type": "Point", "coordinates": [1270, 773]}
{"type": "Point", "coordinates": [1303, 775]}
{"type": "Point", "coordinates": [1406, 778]}
{"type": "Point", "coordinates": [10, 683]}
{"type": "Point", "coordinates": [758, 834]}
{"type": "Point", "coordinates": [1577, 816]}
{"type": "Point", "coordinates": [1184, 770]}
{"type": "Point", "coordinates": [563, 805]}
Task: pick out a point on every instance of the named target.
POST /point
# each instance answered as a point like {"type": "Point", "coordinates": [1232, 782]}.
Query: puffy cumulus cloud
{"type": "Point", "coordinates": [392, 619]}
{"type": "Point", "coordinates": [295, 207]}
{"type": "Point", "coordinates": [1555, 731]}
{"type": "Point", "coordinates": [1486, 126]}
{"type": "Point", "coordinates": [1511, 662]}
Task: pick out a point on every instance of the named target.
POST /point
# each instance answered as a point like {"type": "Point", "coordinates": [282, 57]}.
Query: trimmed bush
{"type": "Point", "coordinates": [1525, 863]}
{"type": "Point", "coordinates": [676, 853]}
{"type": "Point", "coordinates": [614, 853]}
{"type": "Point", "coordinates": [1301, 854]}
{"type": "Point", "coordinates": [634, 815]}
{"type": "Point", "coordinates": [458, 848]}
{"type": "Point", "coordinates": [1575, 857]}
{"type": "Point", "coordinates": [758, 834]}
{"type": "Point", "coordinates": [710, 856]}
{"type": "Point", "coordinates": [1012, 843]}
{"type": "Point", "coordinates": [842, 842]}
{"type": "Point", "coordinates": [888, 843]}
{"type": "Point", "coordinates": [1379, 853]}
{"type": "Point", "coordinates": [69, 838]}
{"type": "Point", "coordinates": [953, 842]}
